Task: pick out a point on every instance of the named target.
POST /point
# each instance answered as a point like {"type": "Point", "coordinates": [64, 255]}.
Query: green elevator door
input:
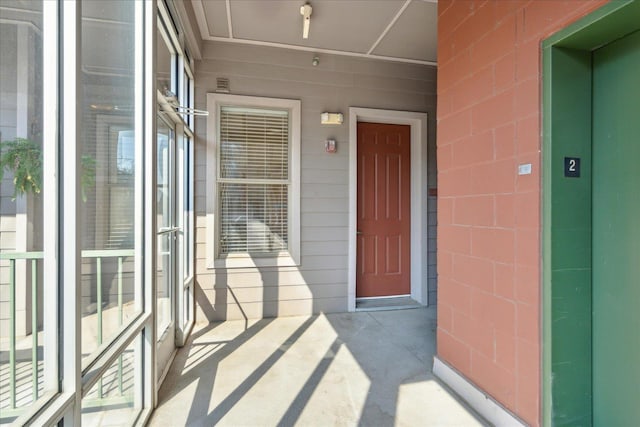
{"type": "Point", "coordinates": [616, 233]}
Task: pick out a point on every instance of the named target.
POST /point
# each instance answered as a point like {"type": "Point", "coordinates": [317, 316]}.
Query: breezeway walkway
{"type": "Point", "coordinates": [364, 368]}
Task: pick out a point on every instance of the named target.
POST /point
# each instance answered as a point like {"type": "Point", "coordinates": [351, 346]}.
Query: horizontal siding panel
{"type": "Point", "coordinates": [278, 72]}
{"type": "Point", "coordinates": [413, 86]}
{"type": "Point", "coordinates": [322, 234]}
{"type": "Point", "coordinates": [312, 219]}
{"type": "Point", "coordinates": [260, 86]}
{"type": "Point", "coordinates": [325, 190]}
{"type": "Point", "coordinates": [271, 293]}
{"type": "Point", "coordinates": [316, 149]}
{"type": "Point", "coordinates": [316, 205]}
{"type": "Point", "coordinates": [252, 277]}
{"type": "Point", "coordinates": [328, 261]}
{"type": "Point", "coordinates": [287, 293]}
{"type": "Point", "coordinates": [267, 309]}
{"type": "Point", "coordinates": [295, 59]}
{"type": "Point", "coordinates": [320, 176]}
{"type": "Point", "coordinates": [337, 163]}
{"type": "Point", "coordinates": [330, 305]}
{"type": "Point", "coordinates": [325, 248]}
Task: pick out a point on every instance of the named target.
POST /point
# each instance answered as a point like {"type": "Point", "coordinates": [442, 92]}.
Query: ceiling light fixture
{"type": "Point", "coordinates": [305, 11]}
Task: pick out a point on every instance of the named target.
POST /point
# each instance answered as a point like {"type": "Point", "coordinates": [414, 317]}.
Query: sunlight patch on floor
{"type": "Point", "coordinates": [438, 407]}
{"type": "Point", "coordinates": [293, 373]}
{"type": "Point", "coordinates": [337, 369]}
{"type": "Point", "coordinates": [341, 395]}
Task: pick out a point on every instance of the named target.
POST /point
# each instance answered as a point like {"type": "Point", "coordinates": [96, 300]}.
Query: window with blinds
{"type": "Point", "coordinates": [253, 181]}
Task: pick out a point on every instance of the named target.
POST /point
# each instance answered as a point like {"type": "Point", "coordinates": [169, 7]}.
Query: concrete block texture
{"type": "Point", "coordinates": [489, 98]}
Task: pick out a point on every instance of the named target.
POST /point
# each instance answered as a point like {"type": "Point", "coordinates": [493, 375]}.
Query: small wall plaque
{"type": "Point", "coordinates": [572, 167]}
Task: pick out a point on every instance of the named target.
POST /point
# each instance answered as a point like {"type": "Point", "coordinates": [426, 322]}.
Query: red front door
{"type": "Point", "coordinates": [384, 204]}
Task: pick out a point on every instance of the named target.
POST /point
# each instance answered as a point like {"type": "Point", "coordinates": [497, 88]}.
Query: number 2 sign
{"type": "Point", "coordinates": [572, 167]}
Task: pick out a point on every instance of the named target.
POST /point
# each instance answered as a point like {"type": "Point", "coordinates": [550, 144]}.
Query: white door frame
{"type": "Point", "coordinates": [418, 124]}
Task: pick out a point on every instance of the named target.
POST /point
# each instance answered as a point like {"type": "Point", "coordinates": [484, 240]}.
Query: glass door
{"type": "Point", "coordinates": [185, 296]}
{"type": "Point", "coordinates": [175, 180]}
{"type": "Point", "coordinates": [168, 229]}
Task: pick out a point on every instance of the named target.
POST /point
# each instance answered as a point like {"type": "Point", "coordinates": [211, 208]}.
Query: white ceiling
{"type": "Point", "coordinates": [397, 30]}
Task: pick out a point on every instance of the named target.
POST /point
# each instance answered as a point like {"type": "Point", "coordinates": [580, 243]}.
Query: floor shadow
{"type": "Point", "coordinates": [169, 387]}
{"type": "Point", "coordinates": [365, 369]}
{"type": "Point", "coordinates": [238, 393]}
{"type": "Point", "coordinates": [203, 302]}
{"type": "Point", "coordinates": [297, 406]}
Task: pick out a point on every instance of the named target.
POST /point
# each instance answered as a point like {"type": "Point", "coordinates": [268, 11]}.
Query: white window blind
{"type": "Point", "coordinates": [253, 182]}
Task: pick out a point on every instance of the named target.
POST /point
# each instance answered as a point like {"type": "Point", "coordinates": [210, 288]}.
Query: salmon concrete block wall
{"type": "Point", "coordinates": [319, 283]}
{"type": "Point", "coordinates": [489, 86]}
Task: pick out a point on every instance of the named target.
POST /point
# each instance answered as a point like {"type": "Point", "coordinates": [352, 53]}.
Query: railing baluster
{"type": "Point", "coordinates": [12, 333]}
{"type": "Point", "coordinates": [99, 311]}
{"type": "Point", "coordinates": [34, 328]}
{"type": "Point", "coordinates": [120, 320]}
{"type": "Point", "coordinates": [120, 308]}
{"type": "Point", "coordinates": [14, 398]}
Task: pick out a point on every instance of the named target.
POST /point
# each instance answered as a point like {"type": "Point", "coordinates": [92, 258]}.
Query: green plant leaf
{"type": "Point", "coordinates": [23, 158]}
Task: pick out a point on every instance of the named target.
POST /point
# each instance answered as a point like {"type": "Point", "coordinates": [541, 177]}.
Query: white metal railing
{"type": "Point", "coordinates": [16, 394]}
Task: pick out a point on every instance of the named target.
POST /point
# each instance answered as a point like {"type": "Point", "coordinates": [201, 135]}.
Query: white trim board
{"type": "Point", "coordinates": [479, 401]}
{"type": "Point", "coordinates": [418, 124]}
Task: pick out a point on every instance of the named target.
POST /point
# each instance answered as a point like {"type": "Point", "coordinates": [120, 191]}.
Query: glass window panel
{"type": "Point", "coordinates": [22, 332]}
{"type": "Point", "coordinates": [164, 213]}
{"type": "Point", "coordinates": [108, 140]}
{"type": "Point", "coordinates": [164, 64]}
{"type": "Point", "coordinates": [254, 144]}
{"type": "Point", "coordinates": [111, 401]}
{"type": "Point", "coordinates": [253, 187]}
{"type": "Point", "coordinates": [253, 218]}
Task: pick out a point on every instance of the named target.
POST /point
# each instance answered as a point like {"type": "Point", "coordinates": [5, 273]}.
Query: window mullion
{"type": "Point", "coordinates": [51, 312]}
{"type": "Point", "coordinates": [70, 147]}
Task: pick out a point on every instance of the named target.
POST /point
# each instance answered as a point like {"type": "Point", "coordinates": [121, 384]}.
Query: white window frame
{"type": "Point", "coordinates": [290, 257]}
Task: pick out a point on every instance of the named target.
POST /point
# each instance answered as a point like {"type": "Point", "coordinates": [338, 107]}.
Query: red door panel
{"type": "Point", "coordinates": [384, 202]}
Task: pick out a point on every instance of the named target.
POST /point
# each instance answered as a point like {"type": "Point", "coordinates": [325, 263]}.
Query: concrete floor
{"type": "Point", "coordinates": [364, 368]}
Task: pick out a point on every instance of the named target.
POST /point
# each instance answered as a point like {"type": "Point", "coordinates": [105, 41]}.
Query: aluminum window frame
{"type": "Point", "coordinates": [62, 147]}
{"type": "Point", "coordinates": [50, 140]}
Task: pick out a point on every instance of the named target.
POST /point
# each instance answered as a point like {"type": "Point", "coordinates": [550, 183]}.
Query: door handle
{"type": "Point", "coordinates": [358, 232]}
